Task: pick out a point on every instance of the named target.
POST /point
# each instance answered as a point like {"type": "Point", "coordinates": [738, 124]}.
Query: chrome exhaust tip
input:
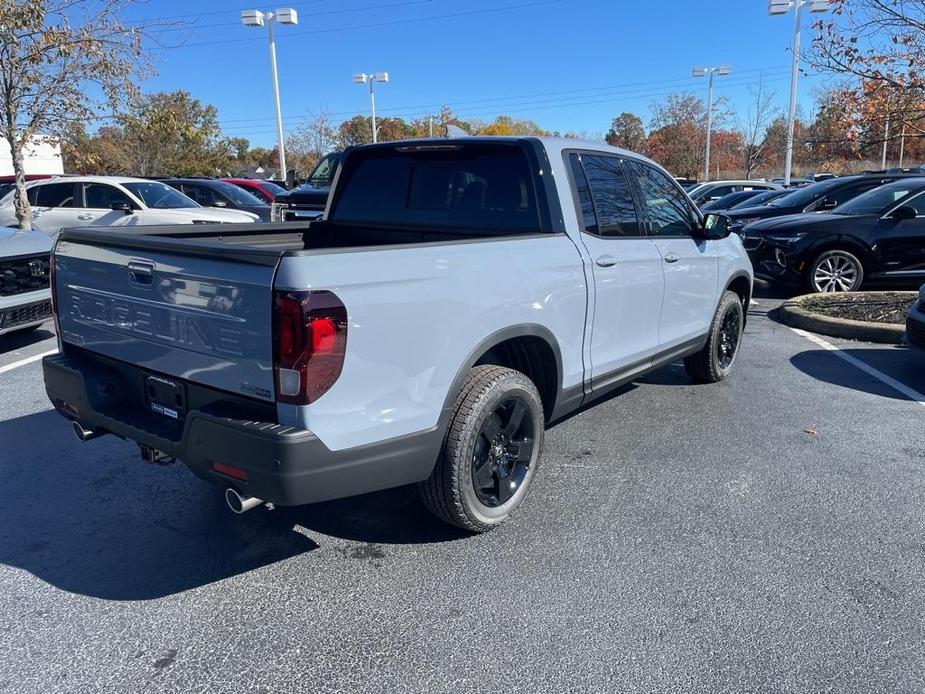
{"type": "Point", "coordinates": [240, 504]}
{"type": "Point", "coordinates": [84, 434]}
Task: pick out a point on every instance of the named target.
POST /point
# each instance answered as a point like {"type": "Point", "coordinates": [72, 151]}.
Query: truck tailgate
{"type": "Point", "coordinates": [201, 317]}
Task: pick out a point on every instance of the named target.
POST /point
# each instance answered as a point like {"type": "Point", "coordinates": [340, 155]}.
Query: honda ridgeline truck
{"type": "Point", "coordinates": [455, 297]}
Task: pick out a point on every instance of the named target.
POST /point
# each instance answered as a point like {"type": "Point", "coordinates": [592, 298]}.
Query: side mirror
{"type": "Point", "coordinates": [716, 226]}
{"type": "Point", "coordinates": [121, 206]}
{"type": "Point", "coordinates": [904, 212]}
{"type": "Point", "coordinates": [826, 204]}
{"type": "Point", "coordinates": [219, 203]}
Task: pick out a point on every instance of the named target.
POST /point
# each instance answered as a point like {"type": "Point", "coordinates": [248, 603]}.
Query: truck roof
{"type": "Point", "coordinates": [553, 145]}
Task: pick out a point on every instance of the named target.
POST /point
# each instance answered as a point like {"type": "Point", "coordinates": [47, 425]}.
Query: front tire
{"type": "Point", "coordinates": [714, 362]}
{"type": "Point", "coordinates": [835, 271]}
{"type": "Point", "coordinates": [491, 451]}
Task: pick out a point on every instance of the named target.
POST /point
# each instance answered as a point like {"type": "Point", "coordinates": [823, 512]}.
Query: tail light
{"type": "Point", "coordinates": [54, 291]}
{"type": "Point", "coordinates": [309, 343]}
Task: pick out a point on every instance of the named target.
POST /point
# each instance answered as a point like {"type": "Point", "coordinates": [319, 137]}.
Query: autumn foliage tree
{"type": "Point", "coordinates": [61, 62]}
{"type": "Point", "coordinates": [627, 131]}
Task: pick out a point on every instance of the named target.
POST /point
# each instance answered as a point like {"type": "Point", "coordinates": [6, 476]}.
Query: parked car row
{"type": "Point", "coordinates": [83, 201]}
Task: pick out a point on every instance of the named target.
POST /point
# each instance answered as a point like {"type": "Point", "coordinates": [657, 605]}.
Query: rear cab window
{"type": "Point", "coordinates": [480, 188]}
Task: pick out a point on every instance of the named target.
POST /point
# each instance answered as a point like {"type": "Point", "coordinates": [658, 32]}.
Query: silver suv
{"type": "Point", "coordinates": [25, 299]}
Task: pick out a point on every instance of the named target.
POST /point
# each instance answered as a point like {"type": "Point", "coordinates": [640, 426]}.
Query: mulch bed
{"type": "Point", "coordinates": [875, 307]}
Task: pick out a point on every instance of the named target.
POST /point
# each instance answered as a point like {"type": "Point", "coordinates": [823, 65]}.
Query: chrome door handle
{"type": "Point", "coordinates": [85, 216]}
{"type": "Point", "coordinates": [672, 258]}
{"type": "Point", "coordinates": [606, 261]}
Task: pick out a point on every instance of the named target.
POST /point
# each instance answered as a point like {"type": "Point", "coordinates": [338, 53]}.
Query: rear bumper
{"type": "Point", "coordinates": [284, 465]}
{"type": "Point", "coordinates": [915, 324]}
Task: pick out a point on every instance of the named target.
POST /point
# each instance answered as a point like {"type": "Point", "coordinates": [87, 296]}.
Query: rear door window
{"type": "Point", "coordinates": [483, 188]}
{"type": "Point", "coordinates": [583, 191]}
{"type": "Point", "coordinates": [610, 192]}
{"type": "Point", "coordinates": [54, 195]}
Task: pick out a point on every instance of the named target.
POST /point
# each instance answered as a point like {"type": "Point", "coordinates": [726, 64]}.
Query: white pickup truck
{"type": "Point", "coordinates": [455, 298]}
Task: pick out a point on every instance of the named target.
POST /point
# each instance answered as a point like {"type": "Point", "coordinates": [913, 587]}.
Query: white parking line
{"type": "Point", "coordinates": [27, 360]}
{"type": "Point", "coordinates": [910, 393]}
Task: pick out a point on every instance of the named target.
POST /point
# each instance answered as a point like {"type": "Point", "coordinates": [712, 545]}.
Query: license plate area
{"type": "Point", "coordinates": [165, 397]}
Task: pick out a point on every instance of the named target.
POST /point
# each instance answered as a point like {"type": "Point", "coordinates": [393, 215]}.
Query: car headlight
{"type": "Point", "coordinates": [786, 238]}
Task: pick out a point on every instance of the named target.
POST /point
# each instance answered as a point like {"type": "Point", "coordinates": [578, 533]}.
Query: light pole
{"type": "Point", "coordinates": [256, 18]}
{"type": "Point", "coordinates": [709, 72]}
{"type": "Point", "coordinates": [370, 79]}
{"type": "Point", "coordinates": [780, 7]}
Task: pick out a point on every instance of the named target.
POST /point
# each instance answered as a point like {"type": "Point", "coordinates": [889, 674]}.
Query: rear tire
{"type": "Point", "coordinates": [714, 362]}
{"type": "Point", "coordinates": [491, 451]}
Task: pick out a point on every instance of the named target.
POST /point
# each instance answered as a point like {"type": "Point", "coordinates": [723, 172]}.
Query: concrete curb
{"type": "Point", "coordinates": [793, 313]}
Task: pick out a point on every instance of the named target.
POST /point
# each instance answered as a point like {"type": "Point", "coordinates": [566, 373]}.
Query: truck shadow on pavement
{"type": "Point", "coordinates": [93, 519]}
{"type": "Point", "coordinates": [13, 341]}
{"type": "Point", "coordinates": [824, 366]}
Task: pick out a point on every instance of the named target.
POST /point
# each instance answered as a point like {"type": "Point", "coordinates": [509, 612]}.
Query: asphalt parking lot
{"type": "Point", "coordinates": [763, 534]}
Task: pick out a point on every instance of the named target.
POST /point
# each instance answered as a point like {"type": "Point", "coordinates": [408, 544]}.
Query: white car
{"type": "Point", "coordinates": [83, 201]}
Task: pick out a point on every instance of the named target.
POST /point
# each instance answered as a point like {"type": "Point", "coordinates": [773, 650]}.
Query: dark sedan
{"type": "Point", "coordinates": [877, 236]}
{"type": "Point", "coordinates": [818, 197]}
{"type": "Point", "coordinates": [210, 192]}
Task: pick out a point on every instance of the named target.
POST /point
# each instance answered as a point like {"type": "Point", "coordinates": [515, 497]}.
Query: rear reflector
{"type": "Point", "coordinates": [309, 343]}
{"type": "Point", "coordinates": [230, 471]}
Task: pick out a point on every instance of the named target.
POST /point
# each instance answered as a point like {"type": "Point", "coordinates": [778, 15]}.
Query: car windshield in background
{"type": "Point", "coordinates": [323, 174]}
{"type": "Point", "coordinates": [880, 200]}
{"type": "Point", "coordinates": [273, 188]}
{"type": "Point", "coordinates": [473, 187]}
{"type": "Point", "coordinates": [158, 196]}
{"type": "Point", "coordinates": [803, 196]}
{"type": "Point", "coordinates": [761, 199]}
{"type": "Point", "coordinates": [238, 195]}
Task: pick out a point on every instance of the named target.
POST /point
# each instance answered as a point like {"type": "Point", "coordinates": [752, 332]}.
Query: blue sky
{"type": "Point", "coordinates": [570, 65]}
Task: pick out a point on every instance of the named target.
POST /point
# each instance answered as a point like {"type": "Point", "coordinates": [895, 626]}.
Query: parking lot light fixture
{"type": "Point", "coordinates": [371, 78]}
{"type": "Point", "coordinates": [781, 7]}
{"type": "Point", "coordinates": [256, 18]}
{"type": "Point", "coordinates": [721, 70]}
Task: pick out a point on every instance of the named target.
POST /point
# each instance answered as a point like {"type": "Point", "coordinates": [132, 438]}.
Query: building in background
{"type": "Point", "coordinates": [43, 158]}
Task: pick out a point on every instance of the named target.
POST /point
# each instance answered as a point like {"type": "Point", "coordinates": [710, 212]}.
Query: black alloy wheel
{"type": "Point", "coordinates": [502, 453]}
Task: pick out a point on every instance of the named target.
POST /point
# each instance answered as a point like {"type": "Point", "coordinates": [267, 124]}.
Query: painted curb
{"type": "Point", "coordinates": [792, 313]}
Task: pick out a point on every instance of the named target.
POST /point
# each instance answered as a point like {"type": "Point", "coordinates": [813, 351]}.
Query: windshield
{"type": "Point", "coordinates": [760, 199]}
{"type": "Point", "coordinates": [802, 197]}
{"type": "Point", "coordinates": [273, 189]}
{"type": "Point", "coordinates": [238, 196]}
{"type": "Point", "coordinates": [323, 174]}
{"type": "Point", "coordinates": [158, 196]}
{"type": "Point", "coordinates": [880, 200]}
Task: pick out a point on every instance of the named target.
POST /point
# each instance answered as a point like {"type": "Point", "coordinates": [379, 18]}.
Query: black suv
{"type": "Point", "coordinates": [308, 200]}
{"type": "Point", "coordinates": [818, 197]}
{"type": "Point", "coordinates": [210, 192]}
{"type": "Point", "coordinates": [879, 236]}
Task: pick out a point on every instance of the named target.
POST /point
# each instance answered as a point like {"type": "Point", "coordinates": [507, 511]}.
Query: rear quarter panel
{"type": "Point", "coordinates": [416, 313]}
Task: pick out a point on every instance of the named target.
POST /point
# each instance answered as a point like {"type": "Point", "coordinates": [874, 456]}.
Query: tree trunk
{"type": "Point", "coordinates": [20, 201]}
